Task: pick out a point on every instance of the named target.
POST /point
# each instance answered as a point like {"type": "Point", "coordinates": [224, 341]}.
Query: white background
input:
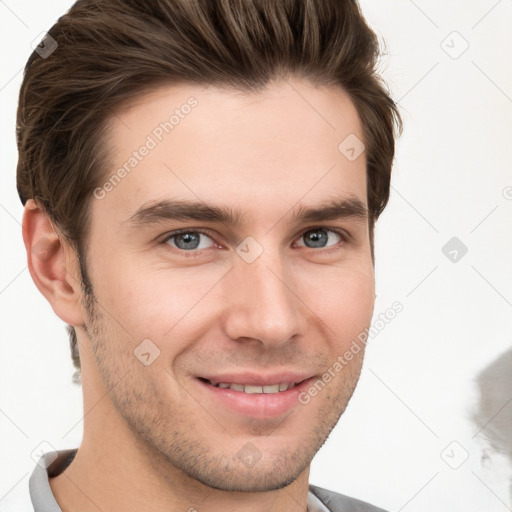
{"type": "Point", "coordinates": [417, 392]}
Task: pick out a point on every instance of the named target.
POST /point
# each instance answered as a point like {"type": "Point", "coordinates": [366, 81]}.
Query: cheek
{"type": "Point", "coordinates": [162, 304]}
{"type": "Point", "coordinates": [344, 301]}
{"type": "Point", "coordinates": [156, 303]}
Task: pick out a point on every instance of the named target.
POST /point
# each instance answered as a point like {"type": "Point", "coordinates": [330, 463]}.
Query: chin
{"type": "Point", "coordinates": [256, 479]}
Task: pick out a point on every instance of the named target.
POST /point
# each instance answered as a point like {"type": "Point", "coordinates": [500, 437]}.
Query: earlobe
{"type": "Point", "coordinates": [52, 264]}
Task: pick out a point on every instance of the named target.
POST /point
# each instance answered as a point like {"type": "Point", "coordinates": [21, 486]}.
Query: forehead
{"type": "Point", "coordinates": [280, 145]}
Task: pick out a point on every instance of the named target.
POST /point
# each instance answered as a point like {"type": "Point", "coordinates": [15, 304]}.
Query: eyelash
{"type": "Point", "coordinates": [199, 252]}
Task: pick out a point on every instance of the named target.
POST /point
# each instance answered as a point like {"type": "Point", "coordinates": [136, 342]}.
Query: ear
{"type": "Point", "coordinates": [53, 264]}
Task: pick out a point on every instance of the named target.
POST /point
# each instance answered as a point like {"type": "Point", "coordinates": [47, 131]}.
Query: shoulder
{"type": "Point", "coordinates": [340, 503]}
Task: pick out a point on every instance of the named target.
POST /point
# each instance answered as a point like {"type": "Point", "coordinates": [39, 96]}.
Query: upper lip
{"type": "Point", "coordinates": [258, 379]}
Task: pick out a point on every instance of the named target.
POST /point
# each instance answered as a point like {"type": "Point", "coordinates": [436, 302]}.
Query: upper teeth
{"type": "Point", "coordinates": [249, 388]}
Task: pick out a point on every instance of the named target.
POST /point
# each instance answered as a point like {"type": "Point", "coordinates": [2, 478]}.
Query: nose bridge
{"type": "Point", "coordinates": [263, 305]}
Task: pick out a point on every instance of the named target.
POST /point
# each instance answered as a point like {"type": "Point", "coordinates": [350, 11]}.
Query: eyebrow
{"type": "Point", "coordinates": [159, 211]}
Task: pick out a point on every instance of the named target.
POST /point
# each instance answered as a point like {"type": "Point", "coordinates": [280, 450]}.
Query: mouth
{"type": "Point", "coordinates": [253, 396]}
{"type": "Point", "coordinates": [252, 388]}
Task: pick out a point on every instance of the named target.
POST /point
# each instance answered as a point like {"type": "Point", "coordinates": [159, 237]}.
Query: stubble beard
{"type": "Point", "coordinates": [171, 440]}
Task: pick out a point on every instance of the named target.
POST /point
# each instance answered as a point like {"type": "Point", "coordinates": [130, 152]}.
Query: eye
{"type": "Point", "coordinates": [320, 238]}
{"type": "Point", "coordinates": [195, 241]}
{"type": "Point", "coordinates": [189, 240]}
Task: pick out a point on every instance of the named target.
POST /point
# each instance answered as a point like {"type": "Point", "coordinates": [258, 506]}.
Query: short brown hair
{"type": "Point", "coordinates": [107, 52]}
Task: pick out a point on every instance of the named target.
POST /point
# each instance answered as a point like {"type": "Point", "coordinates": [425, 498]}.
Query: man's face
{"type": "Point", "coordinates": [265, 298]}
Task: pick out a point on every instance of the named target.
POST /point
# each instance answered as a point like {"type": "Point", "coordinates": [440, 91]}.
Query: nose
{"type": "Point", "coordinates": [261, 305]}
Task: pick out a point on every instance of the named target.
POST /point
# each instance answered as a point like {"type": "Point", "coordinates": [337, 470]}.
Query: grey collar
{"type": "Point", "coordinates": [54, 463]}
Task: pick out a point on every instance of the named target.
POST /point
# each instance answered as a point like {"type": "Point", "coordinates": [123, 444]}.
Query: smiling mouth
{"type": "Point", "coordinates": [251, 388]}
{"type": "Point", "coordinates": [258, 396]}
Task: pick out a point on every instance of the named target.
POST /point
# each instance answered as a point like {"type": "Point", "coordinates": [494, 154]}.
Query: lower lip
{"type": "Point", "coordinates": [258, 405]}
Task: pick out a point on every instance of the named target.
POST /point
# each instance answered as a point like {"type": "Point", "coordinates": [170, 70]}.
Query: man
{"type": "Point", "coordinates": [201, 181]}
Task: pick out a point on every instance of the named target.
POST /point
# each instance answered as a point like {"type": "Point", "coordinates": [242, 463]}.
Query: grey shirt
{"type": "Point", "coordinates": [53, 463]}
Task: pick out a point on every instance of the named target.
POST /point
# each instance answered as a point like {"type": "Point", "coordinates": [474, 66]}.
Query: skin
{"type": "Point", "coordinates": [154, 434]}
